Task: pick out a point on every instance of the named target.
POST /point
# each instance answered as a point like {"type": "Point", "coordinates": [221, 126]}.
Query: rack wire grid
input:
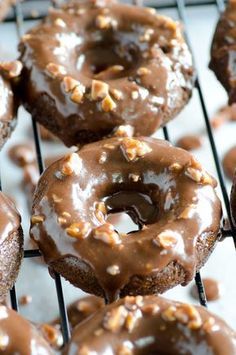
{"type": "Point", "coordinates": [181, 6]}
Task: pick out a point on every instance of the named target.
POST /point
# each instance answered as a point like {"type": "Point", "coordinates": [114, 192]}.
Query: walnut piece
{"type": "Point", "coordinates": [100, 211]}
{"type": "Point", "coordinates": [55, 70]}
{"type": "Point", "coordinates": [72, 164]}
{"type": "Point", "coordinates": [79, 230]}
{"type": "Point", "coordinates": [134, 149]}
{"type": "Point", "coordinates": [108, 104]}
{"type": "Point", "coordinates": [107, 234]}
{"type": "Point", "coordinates": [115, 319]}
{"type": "Point", "coordinates": [70, 83]}
{"type": "Point", "coordinates": [99, 89]}
{"type": "Point", "coordinates": [78, 94]}
{"type": "Point", "coordinates": [167, 239]}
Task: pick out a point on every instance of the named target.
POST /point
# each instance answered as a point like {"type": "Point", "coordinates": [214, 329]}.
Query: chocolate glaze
{"type": "Point", "coordinates": [155, 83]}
{"type": "Point", "coordinates": [18, 336]}
{"type": "Point", "coordinates": [189, 142]}
{"type": "Point", "coordinates": [152, 325]}
{"type": "Point", "coordinates": [223, 50]}
{"type": "Point", "coordinates": [10, 219]}
{"type": "Point", "coordinates": [158, 188]}
{"type": "Point", "coordinates": [7, 110]}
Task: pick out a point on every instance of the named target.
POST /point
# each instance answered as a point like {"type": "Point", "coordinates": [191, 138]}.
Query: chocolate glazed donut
{"type": "Point", "coordinates": [164, 190]}
{"type": "Point", "coordinates": [223, 51]}
{"type": "Point", "coordinates": [18, 336]}
{"type": "Point", "coordinates": [152, 325]}
{"type": "Point", "coordinates": [9, 71]}
{"type": "Point", "coordinates": [96, 65]}
{"type": "Point", "coordinates": [11, 244]}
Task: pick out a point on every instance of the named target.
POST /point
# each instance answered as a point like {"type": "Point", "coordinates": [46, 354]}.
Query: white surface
{"type": "Point", "coordinates": [34, 278]}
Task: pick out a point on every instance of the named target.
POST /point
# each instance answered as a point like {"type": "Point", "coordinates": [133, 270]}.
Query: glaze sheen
{"type": "Point", "coordinates": [96, 65]}
{"type": "Point", "coordinates": [164, 190]}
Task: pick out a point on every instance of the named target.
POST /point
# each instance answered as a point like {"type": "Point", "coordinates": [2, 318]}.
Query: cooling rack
{"type": "Point", "coordinates": [19, 15]}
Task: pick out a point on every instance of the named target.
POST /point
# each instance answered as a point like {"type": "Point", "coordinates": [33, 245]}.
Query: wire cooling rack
{"type": "Point", "coordinates": [19, 16]}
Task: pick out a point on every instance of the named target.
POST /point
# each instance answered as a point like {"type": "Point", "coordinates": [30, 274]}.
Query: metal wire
{"type": "Point", "coordinates": [180, 6]}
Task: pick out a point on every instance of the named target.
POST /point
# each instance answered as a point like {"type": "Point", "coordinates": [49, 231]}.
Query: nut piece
{"type": "Point", "coordinates": [134, 149]}
{"type": "Point", "coordinates": [79, 230]}
{"type": "Point", "coordinates": [194, 174]}
{"type": "Point", "coordinates": [143, 71]}
{"type": "Point", "coordinates": [188, 314]}
{"type": "Point", "coordinates": [167, 239]}
{"type": "Point", "coordinates": [103, 158]}
{"type": "Point", "coordinates": [108, 104]}
{"type": "Point", "coordinates": [78, 94]}
{"type": "Point", "coordinates": [131, 319]}
{"type": "Point", "coordinates": [12, 69]}
{"type": "Point", "coordinates": [113, 270]}
{"type": "Point", "coordinates": [146, 37]}
{"type": "Point", "coordinates": [187, 212]}
{"type": "Point", "coordinates": [70, 84]}
{"type": "Point", "coordinates": [99, 89]}
{"type": "Point", "coordinates": [105, 22]}
{"type": "Point", "coordinates": [100, 211]}
{"type": "Point", "coordinates": [135, 95]}
{"type": "Point", "coordinates": [37, 219]}
{"type": "Point", "coordinates": [117, 94]}
{"type": "Point", "coordinates": [175, 167]}
{"type": "Point", "coordinates": [52, 335]}
{"type": "Point", "coordinates": [72, 164]}
{"type": "Point", "coordinates": [107, 234]}
{"type": "Point", "coordinates": [150, 309]}
{"type": "Point", "coordinates": [134, 177]}
{"type": "Point", "coordinates": [115, 319]}
{"type": "Point", "coordinates": [169, 314]}
{"type": "Point", "coordinates": [59, 22]}
{"type": "Point", "coordinates": [55, 70]}
{"type": "Point", "coordinates": [124, 131]}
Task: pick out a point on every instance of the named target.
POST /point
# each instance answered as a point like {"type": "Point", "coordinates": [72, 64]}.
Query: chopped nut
{"type": "Point", "coordinates": [99, 89]}
{"type": "Point", "coordinates": [150, 309]}
{"type": "Point", "coordinates": [143, 71]}
{"type": "Point", "coordinates": [131, 319]}
{"type": "Point", "coordinates": [108, 104]}
{"type": "Point", "coordinates": [100, 211]}
{"type": "Point", "coordinates": [113, 270]}
{"type": "Point", "coordinates": [72, 164]}
{"type": "Point", "coordinates": [13, 69]}
{"type": "Point", "coordinates": [4, 341]}
{"type": "Point", "coordinates": [66, 214]}
{"type": "Point", "coordinates": [169, 314]}
{"type": "Point", "coordinates": [135, 95]}
{"type": "Point", "coordinates": [105, 22]}
{"type": "Point", "coordinates": [70, 84]}
{"type": "Point", "coordinates": [208, 180]}
{"type": "Point", "coordinates": [146, 37]}
{"type": "Point", "coordinates": [175, 167]}
{"type": "Point", "coordinates": [52, 335]}
{"type": "Point", "coordinates": [132, 302]}
{"type": "Point", "coordinates": [107, 234]}
{"type": "Point", "coordinates": [167, 239]}
{"type": "Point", "coordinates": [56, 199]}
{"type": "Point", "coordinates": [103, 158]}
{"type": "Point", "coordinates": [124, 131]}
{"type": "Point", "coordinates": [115, 319]}
{"type": "Point", "coordinates": [78, 94]}
{"type": "Point", "coordinates": [134, 149]}
{"type": "Point", "coordinates": [61, 220]}
{"type": "Point", "coordinates": [55, 70]}
{"type": "Point", "coordinates": [59, 22]}
{"type": "Point", "coordinates": [79, 230]}
{"type": "Point", "coordinates": [189, 315]}
{"type": "Point", "coordinates": [208, 325]}
{"type": "Point", "coordinates": [25, 299]}
{"type": "Point", "coordinates": [134, 177]}
{"type": "Point", "coordinates": [117, 94]}
{"type": "Point", "coordinates": [187, 212]}
{"type": "Point", "coordinates": [37, 219]}
{"type": "Point", "coordinates": [109, 146]}
{"type": "Point", "coordinates": [194, 174]}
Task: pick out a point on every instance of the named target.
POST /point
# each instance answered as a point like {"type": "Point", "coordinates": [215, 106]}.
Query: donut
{"type": "Point", "coordinates": [11, 249]}
{"type": "Point", "coordinates": [9, 71]}
{"type": "Point", "coordinates": [223, 50]}
{"type": "Point", "coordinates": [152, 325]}
{"type": "Point", "coordinates": [18, 336]}
{"type": "Point", "coordinates": [5, 6]}
{"type": "Point", "coordinates": [94, 66]}
{"type": "Point", "coordinates": [165, 191]}
{"type": "Point", "coordinates": [229, 162]}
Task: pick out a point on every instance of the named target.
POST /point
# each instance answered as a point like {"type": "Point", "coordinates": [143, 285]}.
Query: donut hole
{"type": "Point", "coordinates": [122, 222]}
{"type": "Point", "coordinates": [137, 206]}
{"type": "Point", "coordinates": [109, 59]}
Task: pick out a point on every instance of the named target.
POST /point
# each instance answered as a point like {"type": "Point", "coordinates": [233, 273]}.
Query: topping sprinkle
{"type": "Point", "coordinates": [99, 89]}
{"type": "Point", "coordinates": [55, 70]}
{"type": "Point", "coordinates": [107, 234]}
{"type": "Point", "coordinates": [79, 230]}
{"type": "Point", "coordinates": [134, 149]}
